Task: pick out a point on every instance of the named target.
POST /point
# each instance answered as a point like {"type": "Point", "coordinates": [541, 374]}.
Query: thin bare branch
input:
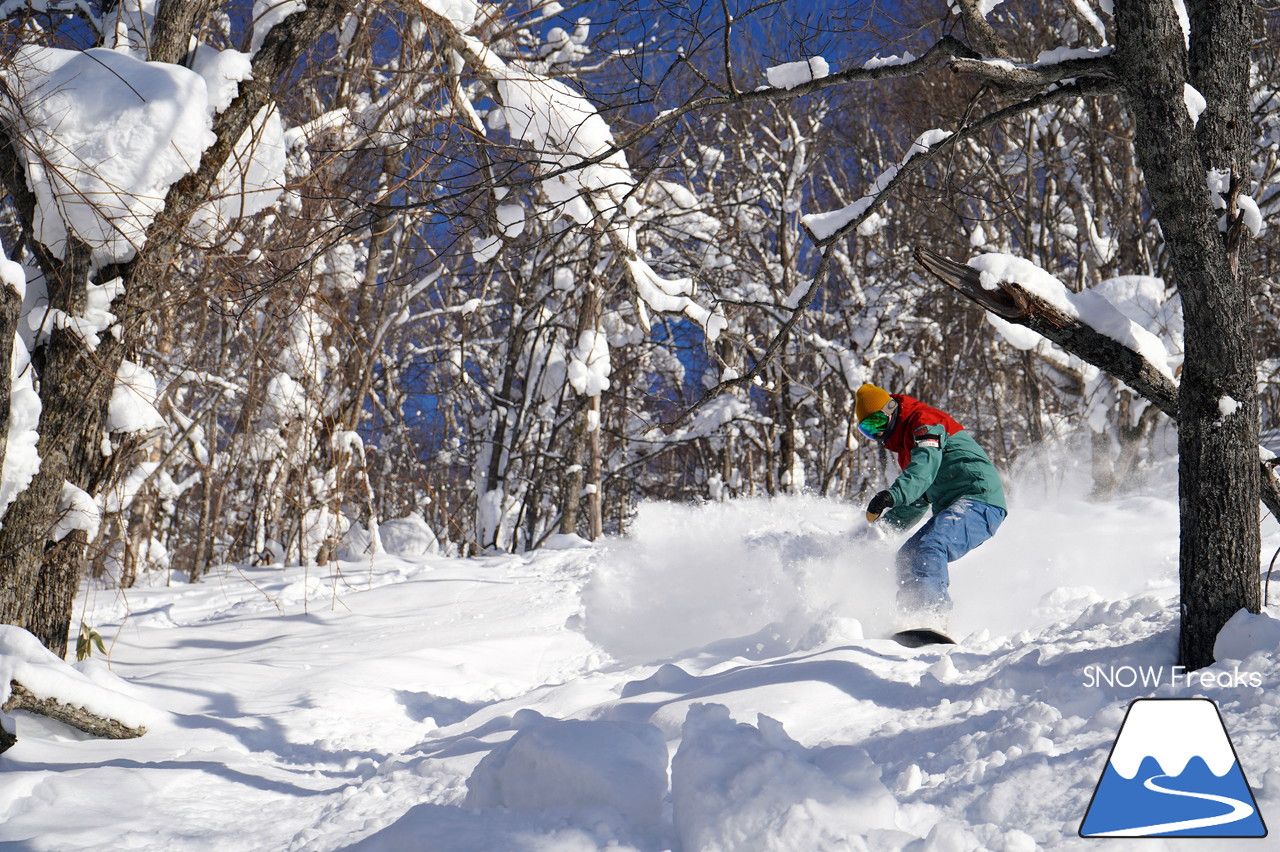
{"type": "Point", "coordinates": [919, 160]}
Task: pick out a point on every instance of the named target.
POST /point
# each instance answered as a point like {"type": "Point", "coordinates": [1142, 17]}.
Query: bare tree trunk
{"type": "Point", "coordinates": [1218, 470]}
{"type": "Point", "coordinates": [574, 478]}
{"type": "Point", "coordinates": [785, 408]}
{"type": "Point", "coordinates": [1104, 472]}
{"type": "Point", "coordinates": [595, 478]}
{"type": "Point", "coordinates": [1035, 405]}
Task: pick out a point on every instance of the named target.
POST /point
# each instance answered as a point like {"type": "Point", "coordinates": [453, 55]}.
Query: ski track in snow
{"type": "Point", "coordinates": [324, 710]}
{"type": "Point", "coordinates": [1239, 810]}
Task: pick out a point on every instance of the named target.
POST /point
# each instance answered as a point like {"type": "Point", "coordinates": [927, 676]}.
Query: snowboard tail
{"type": "Point", "coordinates": [921, 636]}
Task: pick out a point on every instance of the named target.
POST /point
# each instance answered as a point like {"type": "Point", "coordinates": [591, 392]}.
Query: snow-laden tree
{"type": "Point", "coordinates": [111, 157]}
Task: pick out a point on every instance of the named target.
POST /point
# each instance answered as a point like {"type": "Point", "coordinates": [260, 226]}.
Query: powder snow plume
{"type": "Point", "coordinates": [770, 575]}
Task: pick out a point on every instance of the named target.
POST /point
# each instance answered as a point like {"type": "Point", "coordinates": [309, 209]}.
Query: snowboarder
{"type": "Point", "coordinates": [943, 467]}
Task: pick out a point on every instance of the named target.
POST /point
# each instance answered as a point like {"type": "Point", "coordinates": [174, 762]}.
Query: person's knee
{"type": "Point", "coordinates": [933, 549]}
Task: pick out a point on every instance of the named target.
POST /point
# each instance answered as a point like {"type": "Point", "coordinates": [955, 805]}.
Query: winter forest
{"type": "Point", "coordinates": [495, 271]}
{"type": "Point", "coordinates": [309, 285]}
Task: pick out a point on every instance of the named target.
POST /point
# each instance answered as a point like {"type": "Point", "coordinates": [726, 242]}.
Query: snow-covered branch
{"type": "Point", "coordinates": [1009, 292]}
{"type": "Point", "coordinates": [36, 681]}
{"type": "Point", "coordinates": [1097, 334]}
{"type": "Point", "coordinates": [1052, 67]}
{"type": "Point", "coordinates": [826, 228]}
{"type": "Point", "coordinates": [581, 167]}
{"type": "Point", "coordinates": [974, 14]}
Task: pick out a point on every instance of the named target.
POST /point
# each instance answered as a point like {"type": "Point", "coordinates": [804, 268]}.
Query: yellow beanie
{"type": "Point", "coordinates": [868, 399]}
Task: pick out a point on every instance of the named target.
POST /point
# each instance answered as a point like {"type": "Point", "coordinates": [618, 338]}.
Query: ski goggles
{"type": "Point", "coordinates": [874, 424]}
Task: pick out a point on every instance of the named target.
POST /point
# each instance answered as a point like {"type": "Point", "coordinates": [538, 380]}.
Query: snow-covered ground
{"type": "Point", "coordinates": [718, 680]}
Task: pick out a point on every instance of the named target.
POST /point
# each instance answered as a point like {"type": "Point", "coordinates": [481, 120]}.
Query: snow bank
{"type": "Point", "coordinates": [368, 720]}
{"type": "Point", "coordinates": [24, 659]}
{"type": "Point", "coordinates": [737, 786]}
{"type": "Point", "coordinates": [591, 769]}
{"type": "Point", "coordinates": [1245, 634]}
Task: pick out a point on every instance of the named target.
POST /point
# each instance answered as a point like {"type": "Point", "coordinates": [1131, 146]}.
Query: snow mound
{"type": "Point", "coordinates": [577, 766]}
{"type": "Point", "coordinates": [1246, 634]}
{"type": "Point", "coordinates": [408, 536]}
{"type": "Point", "coordinates": [737, 786]}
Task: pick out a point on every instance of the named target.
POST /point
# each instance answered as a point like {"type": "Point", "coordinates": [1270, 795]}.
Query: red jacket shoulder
{"type": "Point", "coordinates": [913, 417]}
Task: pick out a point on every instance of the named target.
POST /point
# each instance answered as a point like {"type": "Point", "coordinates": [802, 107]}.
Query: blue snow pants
{"type": "Point", "coordinates": [948, 535]}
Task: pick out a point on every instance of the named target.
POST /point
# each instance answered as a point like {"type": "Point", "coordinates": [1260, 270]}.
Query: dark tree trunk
{"type": "Point", "coordinates": [10, 310]}
{"type": "Point", "coordinates": [1218, 472]}
{"type": "Point", "coordinates": [785, 412]}
{"type": "Point", "coordinates": [575, 474]}
{"type": "Point", "coordinates": [39, 583]}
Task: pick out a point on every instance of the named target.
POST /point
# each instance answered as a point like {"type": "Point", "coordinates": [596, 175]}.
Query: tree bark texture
{"type": "Point", "coordinates": [10, 309]}
{"type": "Point", "coordinates": [72, 405]}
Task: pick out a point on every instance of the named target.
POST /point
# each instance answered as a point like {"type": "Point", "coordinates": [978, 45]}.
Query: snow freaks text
{"type": "Point", "coordinates": [1151, 677]}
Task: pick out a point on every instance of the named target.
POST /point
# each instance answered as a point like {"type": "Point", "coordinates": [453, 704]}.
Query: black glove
{"type": "Point", "coordinates": [878, 505]}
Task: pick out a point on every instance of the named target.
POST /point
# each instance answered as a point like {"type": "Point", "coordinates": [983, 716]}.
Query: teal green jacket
{"type": "Point", "coordinates": [941, 463]}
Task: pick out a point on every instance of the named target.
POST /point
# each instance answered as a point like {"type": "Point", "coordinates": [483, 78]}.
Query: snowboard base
{"type": "Point", "coordinates": [922, 636]}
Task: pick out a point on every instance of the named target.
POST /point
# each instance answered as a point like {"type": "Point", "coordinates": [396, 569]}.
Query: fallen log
{"type": "Point", "coordinates": [21, 698]}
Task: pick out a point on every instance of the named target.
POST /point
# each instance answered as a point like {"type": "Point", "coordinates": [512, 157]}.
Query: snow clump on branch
{"type": "Point", "coordinates": [1219, 183]}
{"type": "Point", "coordinates": [585, 176]}
{"type": "Point", "coordinates": [21, 461]}
{"type": "Point", "coordinates": [1089, 306]}
{"type": "Point", "coordinates": [589, 365]}
{"type": "Point", "coordinates": [103, 136]}
{"type": "Point", "coordinates": [792, 74]}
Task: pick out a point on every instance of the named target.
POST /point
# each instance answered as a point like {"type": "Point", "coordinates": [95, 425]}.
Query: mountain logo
{"type": "Point", "coordinates": [1173, 773]}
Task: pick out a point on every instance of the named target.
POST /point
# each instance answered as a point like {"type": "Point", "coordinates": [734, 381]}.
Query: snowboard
{"type": "Point", "coordinates": [922, 636]}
